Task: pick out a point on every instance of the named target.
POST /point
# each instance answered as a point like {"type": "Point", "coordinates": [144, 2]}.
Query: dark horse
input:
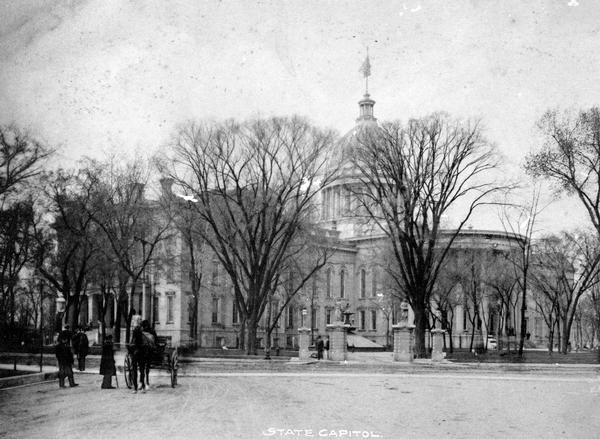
{"type": "Point", "coordinates": [150, 341]}
{"type": "Point", "coordinates": [140, 356]}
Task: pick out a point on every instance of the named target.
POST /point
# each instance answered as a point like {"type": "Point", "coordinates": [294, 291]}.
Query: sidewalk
{"type": "Point", "coordinates": [358, 362]}
{"type": "Point", "coordinates": [48, 373]}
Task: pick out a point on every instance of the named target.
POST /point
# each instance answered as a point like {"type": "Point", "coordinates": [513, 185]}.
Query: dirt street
{"type": "Point", "coordinates": [309, 406]}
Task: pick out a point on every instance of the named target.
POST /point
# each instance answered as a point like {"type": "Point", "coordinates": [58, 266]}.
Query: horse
{"type": "Point", "coordinates": [141, 355]}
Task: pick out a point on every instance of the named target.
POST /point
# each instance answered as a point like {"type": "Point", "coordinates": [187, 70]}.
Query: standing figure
{"type": "Point", "coordinates": [108, 368]}
{"type": "Point", "coordinates": [64, 357]}
{"type": "Point", "coordinates": [320, 347]}
{"type": "Point", "coordinates": [66, 335]}
{"type": "Point", "coordinates": [82, 348]}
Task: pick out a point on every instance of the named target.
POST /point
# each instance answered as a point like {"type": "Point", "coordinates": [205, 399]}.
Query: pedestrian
{"type": "Point", "coordinates": [108, 368]}
{"type": "Point", "coordinates": [136, 319]}
{"type": "Point", "coordinates": [320, 347]}
{"type": "Point", "coordinates": [64, 356]}
{"type": "Point", "coordinates": [66, 335]}
{"type": "Point", "coordinates": [83, 348]}
{"type": "Point", "coordinates": [327, 347]}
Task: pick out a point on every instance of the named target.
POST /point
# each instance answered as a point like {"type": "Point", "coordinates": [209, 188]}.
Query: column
{"type": "Point", "coordinates": [303, 343]}
{"type": "Point", "coordinates": [403, 343]}
{"type": "Point", "coordinates": [143, 311]}
{"type": "Point", "coordinates": [93, 308]}
{"type": "Point", "coordinates": [437, 352]}
{"type": "Point", "coordinates": [337, 341]}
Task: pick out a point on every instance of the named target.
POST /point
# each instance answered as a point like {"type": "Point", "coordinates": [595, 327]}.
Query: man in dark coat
{"type": "Point", "coordinates": [320, 347]}
{"type": "Point", "coordinates": [82, 348]}
{"type": "Point", "coordinates": [107, 363]}
{"type": "Point", "coordinates": [65, 362]}
{"type": "Point", "coordinates": [66, 335]}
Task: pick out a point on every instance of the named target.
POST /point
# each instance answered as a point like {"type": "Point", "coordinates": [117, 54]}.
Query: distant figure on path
{"type": "Point", "coordinates": [82, 346]}
{"type": "Point", "coordinates": [66, 335]}
{"type": "Point", "coordinates": [320, 347]}
{"type": "Point", "coordinates": [64, 356]}
{"type": "Point", "coordinates": [108, 368]}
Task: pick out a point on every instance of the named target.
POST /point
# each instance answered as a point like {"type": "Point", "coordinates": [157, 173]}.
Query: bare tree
{"type": "Point", "coordinates": [16, 250]}
{"type": "Point", "coordinates": [590, 307]}
{"type": "Point", "coordinates": [133, 225]}
{"type": "Point", "coordinates": [570, 264]}
{"type": "Point", "coordinates": [520, 222]}
{"type": "Point", "coordinates": [503, 283]}
{"type": "Point", "coordinates": [65, 248]}
{"type": "Point", "coordinates": [255, 184]}
{"type": "Point", "coordinates": [548, 307]}
{"type": "Point", "coordinates": [194, 249]}
{"type": "Point", "coordinates": [21, 158]}
{"type": "Point", "coordinates": [570, 156]}
{"type": "Point", "coordinates": [411, 175]}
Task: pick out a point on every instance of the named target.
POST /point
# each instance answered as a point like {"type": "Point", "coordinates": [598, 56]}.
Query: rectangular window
{"type": "Point", "coordinates": [328, 281]}
{"type": "Point", "coordinates": [313, 318]}
{"type": "Point", "coordinates": [169, 272]}
{"type": "Point", "coordinates": [374, 319]}
{"type": "Point", "coordinates": [215, 272]}
{"type": "Point", "coordinates": [328, 316]}
{"type": "Point", "coordinates": [190, 307]}
{"type": "Point", "coordinates": [155, 308]}
{"type": "Point", "coordinates": [342, 283]}
{"type": "Point", "coordinates": [235, 315]}
{"type": "Point", "coordinates": [170, 307]}
{"type": "Point", "coordinates": [215, 310]}
{"type": "Point", "coordinates": [374, 284]}
{"type": "Point", "coordinates": [347, 200]}
{"type": "Point", "coordinates": [290, 315]}
{"type": "Point", "coordinates": [361, 321]}
{"type": "Point", "coordinates": [363, 283]}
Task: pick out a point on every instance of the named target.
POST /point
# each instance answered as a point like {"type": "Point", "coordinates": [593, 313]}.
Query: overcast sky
{"type": "Point", "coordinates": [95, 76]}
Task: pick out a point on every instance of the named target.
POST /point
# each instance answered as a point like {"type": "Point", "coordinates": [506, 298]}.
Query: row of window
{"type": "Point", "coordinates": [291, 319]}
{"type": "Point", "coordinates": [363, 283]}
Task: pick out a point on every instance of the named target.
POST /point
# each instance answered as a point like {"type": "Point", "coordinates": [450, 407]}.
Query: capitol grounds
{"type": "Point", "coordinates": [368, 396]}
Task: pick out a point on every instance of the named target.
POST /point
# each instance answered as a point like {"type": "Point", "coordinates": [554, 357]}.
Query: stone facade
{"type": "Point", "coordinates": [353, 279]}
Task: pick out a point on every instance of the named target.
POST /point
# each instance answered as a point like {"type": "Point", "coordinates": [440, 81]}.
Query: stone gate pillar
{"type": "Point", "coordinates": [403, 343]}
{"type": "Point", "coordinates": [437, 351]}
{"type": "Point", "coordinates": [303, 343]}
{"type": "Point", "coordinates": [337, 341]}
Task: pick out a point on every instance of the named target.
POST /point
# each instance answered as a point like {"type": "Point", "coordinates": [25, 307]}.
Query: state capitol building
{"type": "Point", "coordinates": [353, 279]}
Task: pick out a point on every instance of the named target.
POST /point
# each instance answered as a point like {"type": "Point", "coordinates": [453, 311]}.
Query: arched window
{"type": "Point", "coordinates": [342, 278]}
{"type": "Point", "coordinates": [363, 283]}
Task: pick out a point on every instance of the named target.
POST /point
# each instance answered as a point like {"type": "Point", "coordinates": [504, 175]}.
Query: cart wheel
{"type": "Point", "coordinates": [127, 371]}
{"type": "Point", "coordinates": [173, 365]}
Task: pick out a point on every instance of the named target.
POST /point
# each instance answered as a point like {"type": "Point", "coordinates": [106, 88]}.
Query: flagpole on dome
{"type": "Point", "coordinates": [365, 69]}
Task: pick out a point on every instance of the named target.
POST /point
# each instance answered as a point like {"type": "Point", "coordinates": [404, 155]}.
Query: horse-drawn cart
{"type": "Point", "coordinates": [161, 356]}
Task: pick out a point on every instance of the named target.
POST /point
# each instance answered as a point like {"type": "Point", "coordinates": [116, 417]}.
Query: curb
{"type": "Point", "coordinates": [31, 378]}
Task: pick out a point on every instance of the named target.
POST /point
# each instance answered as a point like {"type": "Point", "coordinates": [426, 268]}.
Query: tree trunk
{"type": "Point", "coordinates": [523, 330]}
{"type": "Point", "coordinates": [566, 332]}
{"type": "Point", "coordinates": [558, 333]}
{"type": "Point", "coordinates": [420, 326]}
{"type": "Point", "coordinates": [252, 327]}
{"type": "Point", "coordinates": [242, 335]}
